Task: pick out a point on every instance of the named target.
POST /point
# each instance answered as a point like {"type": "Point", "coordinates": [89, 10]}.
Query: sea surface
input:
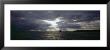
{"type": "Point", "coordinates": [56, 35]}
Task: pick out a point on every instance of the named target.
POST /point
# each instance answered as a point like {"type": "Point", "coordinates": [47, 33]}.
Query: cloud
{"type": "Point", "coordinates": [73, 20]}
{"type": "Point", "coordinates": [92, 25]}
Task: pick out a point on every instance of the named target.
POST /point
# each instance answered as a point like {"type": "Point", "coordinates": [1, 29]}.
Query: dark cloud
{"type": "Point", "coordinates": [27, 20]}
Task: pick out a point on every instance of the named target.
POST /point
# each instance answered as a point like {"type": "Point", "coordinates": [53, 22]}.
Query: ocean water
{"type": "Point", "coordinates": [55, 35]}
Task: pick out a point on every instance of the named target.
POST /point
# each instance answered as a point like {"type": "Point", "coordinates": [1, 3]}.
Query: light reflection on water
{"type": "Point", "coordinates": [53, 35]}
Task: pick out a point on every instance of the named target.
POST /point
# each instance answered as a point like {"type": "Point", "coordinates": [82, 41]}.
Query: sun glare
{"type": "Point", "coordinates": [53, 23]}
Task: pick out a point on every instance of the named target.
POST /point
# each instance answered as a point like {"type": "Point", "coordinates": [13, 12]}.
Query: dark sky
{"type": "Point", "coordinates": [72, 20]}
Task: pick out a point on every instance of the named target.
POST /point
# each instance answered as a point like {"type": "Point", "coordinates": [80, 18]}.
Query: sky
{"type": "Point", "coordinates": [53, 20]}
